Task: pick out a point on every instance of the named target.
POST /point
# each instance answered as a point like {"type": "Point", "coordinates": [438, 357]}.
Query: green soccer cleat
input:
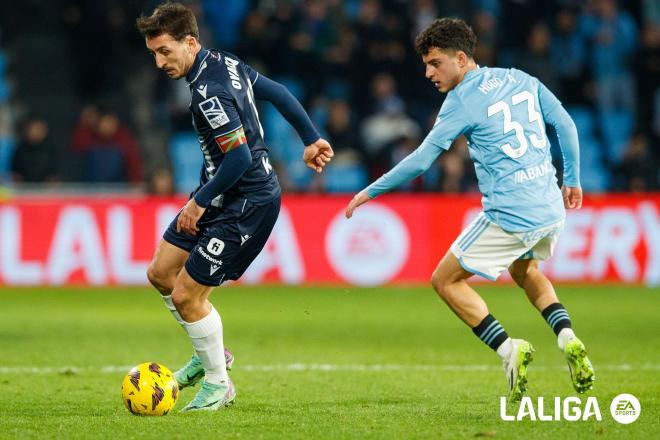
{"type": "Point", "coordinates": [515, 368]}
{"type": "Point", "coordinates": [190, 374]}
{"type": "Point", "coordinates": [579, 365]}
{"type": "Point", "coordinates": [193, 371]}
{"type": "Point", "coordinates": [211, 397]}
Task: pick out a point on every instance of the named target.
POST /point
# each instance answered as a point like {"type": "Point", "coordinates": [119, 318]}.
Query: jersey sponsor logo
{"type": "Point", "coordinates": [534, 172]}
{"type": "Point", "coordinates": [539, 234]}
{"type": "Point", "coordinates": [231, 140]}
{"type": "Point", "coordinates": [209, 258]}
{"type": "Point", "coordinates": [213, 112]}
{"type": "Point", "coordinates": [233, 72]}
{"type": "Point", "coordinates": [215, 246]}
{"type": "Point", "coordinates": [202, 90]}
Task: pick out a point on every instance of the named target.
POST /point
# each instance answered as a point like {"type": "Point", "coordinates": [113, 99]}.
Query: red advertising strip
{"type": "Point", "coordinates": [393, 239]}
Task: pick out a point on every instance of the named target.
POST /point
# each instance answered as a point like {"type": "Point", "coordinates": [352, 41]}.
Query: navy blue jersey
{"type": "Point", "coordinates": [222, 102]}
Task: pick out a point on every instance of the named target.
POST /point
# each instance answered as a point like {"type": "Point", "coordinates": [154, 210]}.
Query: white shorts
{"type": "Point", "coordinates": [485, 249]}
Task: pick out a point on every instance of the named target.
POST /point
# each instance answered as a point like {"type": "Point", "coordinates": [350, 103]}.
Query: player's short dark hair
{"type": "Point", "coordinates": [174, 19]}
{"type": "Point", "coordinates": [447, 34]}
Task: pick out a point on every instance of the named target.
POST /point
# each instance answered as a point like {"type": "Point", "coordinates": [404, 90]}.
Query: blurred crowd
{"type": "Point", "coordinates": [80, 100]}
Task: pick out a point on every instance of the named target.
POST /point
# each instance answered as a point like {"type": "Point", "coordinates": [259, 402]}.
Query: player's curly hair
{"type": "Point", "coordinates": [447, 34]}
{"type": "Point", "coordinates": [169, 18]}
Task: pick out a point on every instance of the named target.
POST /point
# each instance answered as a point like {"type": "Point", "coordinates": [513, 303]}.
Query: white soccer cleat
{"type": "Point", "coordinates": [515, 368]}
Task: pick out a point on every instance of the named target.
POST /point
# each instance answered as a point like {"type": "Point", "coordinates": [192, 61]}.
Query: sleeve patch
{"type": "Point", "coordinates": [231, 140]}
{"type": "Point", "coordinates": [213, 112]}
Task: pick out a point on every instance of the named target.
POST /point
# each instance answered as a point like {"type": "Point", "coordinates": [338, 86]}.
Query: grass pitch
{"type": "Point", "coordinates": [319, 362]}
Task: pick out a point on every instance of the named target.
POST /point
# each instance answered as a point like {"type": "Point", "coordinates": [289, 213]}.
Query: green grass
{"type": "Point", "coordinates": [421, 392]}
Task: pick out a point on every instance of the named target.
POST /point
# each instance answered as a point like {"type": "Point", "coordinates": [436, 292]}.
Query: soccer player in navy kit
{"type": "Point", "coordinates": [502, 113]}
{"type": "Point", "coordinates": [230, 215]}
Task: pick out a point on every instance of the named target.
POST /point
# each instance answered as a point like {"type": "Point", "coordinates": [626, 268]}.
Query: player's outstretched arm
{"type": "Point", "coordinates": [318, 154]}
{"type": "Point", "coordinates": [359, 199]}
{"type": "Point", "coordinates": [410, 167]}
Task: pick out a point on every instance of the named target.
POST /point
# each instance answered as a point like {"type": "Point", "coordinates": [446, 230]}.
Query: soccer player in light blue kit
{"type": "Point", "coordinates": [502, 113]}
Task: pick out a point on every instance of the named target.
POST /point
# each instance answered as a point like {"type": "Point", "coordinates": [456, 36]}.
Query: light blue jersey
{"type": "Point", "coordinates": [502, 113]}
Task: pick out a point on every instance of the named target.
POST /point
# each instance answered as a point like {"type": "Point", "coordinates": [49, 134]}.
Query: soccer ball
{"type": "Point", "coordinates": [149, 389]}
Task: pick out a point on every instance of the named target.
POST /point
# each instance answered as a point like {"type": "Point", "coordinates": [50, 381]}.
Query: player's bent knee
{"type": "Point", "coordinates": [436, 282]}
{"type": "Point", "coordinates": [159, 278]}
{"type": "Point", "coordinates": [189, 297]}
{"type": "Point", "coordinates": [518, 276]}
{"type": "Point", "coordinates": [183, 302]}
{"type": "Point", "coordinates": [186, 302]}
{"type": "Point", "coordinates": [154, 275]}
{"type": "Point", "coordinates": [440, 284]}
{"type": "Point", "coordinates": [180, 299]}
{"type": "Point", "coordinates": [522, 269]}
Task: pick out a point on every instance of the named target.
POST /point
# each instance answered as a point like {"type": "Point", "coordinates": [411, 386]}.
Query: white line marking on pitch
{"type": "Point", "coordinates": [111, 369]}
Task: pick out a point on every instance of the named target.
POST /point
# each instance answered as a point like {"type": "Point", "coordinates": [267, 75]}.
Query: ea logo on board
{"type": "Point", "coordinates": [625, 408]}
{"type": "Point", "coordinates": [370, 248]}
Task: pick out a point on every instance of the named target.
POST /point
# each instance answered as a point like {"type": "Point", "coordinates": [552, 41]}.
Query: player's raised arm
{"type": "Point", "coordinates": [555, 114]}
{"type": "Point", "coordinates": [318, 151]}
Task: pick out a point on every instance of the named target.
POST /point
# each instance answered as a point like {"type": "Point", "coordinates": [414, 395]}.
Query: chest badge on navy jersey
{"type": "Point", "coordinates": [213, 112]}
{"type": "Point", "coordinates": [202, 90]}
